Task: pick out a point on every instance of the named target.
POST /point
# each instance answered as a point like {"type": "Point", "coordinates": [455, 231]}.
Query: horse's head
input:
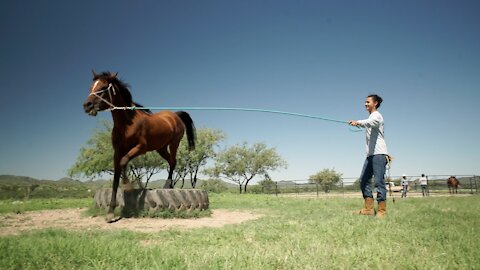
{"type": "Point", "coordinates": [102, 93]}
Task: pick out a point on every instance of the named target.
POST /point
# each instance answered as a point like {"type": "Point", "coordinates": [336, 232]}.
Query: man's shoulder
{"type": "Point", "coordinates": [376, 115]}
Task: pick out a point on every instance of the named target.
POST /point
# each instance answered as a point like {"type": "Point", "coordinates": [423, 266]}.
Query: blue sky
{"type": "Point", "coordinates": [314, 57]}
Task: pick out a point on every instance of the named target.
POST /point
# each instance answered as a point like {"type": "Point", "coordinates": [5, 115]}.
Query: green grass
{"type": "Point", "coordinates": [20, 206]}
{"type": "Point", "coordinates": [419, 233]}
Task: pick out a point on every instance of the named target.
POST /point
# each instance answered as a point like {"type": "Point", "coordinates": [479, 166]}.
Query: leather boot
{"type": "Point", "coordinates": [382, 209]}
{"type": "Point", "coordinates": [368, 208]}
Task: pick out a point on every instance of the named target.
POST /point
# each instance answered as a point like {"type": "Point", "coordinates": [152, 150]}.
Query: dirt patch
{"type": "Point", "coordinates": [73, 219]}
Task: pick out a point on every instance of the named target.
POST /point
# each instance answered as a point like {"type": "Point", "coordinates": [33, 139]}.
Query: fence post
{"type": "Point", "coordinates": [316, 184]}
{"type": "Point", "coordinates": [475, 183]}
{"type": "Point", "coordinates": [471, 186]}
{"type": "Point", "coordinates": [276, 189]}
{"type": "Point", "coordinates": [476, 187]}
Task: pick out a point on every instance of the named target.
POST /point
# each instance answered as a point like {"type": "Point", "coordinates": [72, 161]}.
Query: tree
{"type": "Point", "coordinates": [326, 178]}
{"type": "Point", "coordinates": [146, 166]}
{"type": "Point", "coordinates": [241, 163]}
{"type": "Point", "coordinates": [96, 158]}
{"type": "Point", "coordinates": [190, 162]}
{"type": "Point", "coordinates": [356, 185]}
{"type": "Point", "coordinates": [214, 185]}
{"type": "Point", "coordinates": [267, 185]}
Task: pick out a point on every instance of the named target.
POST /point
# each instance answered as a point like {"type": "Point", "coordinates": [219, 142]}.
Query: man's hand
{"type": "Point", "coordinates": [353, 123]}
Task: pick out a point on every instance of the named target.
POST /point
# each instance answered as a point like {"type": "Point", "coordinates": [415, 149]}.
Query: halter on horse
{"type": "Point", "coordinates": [136, 132]}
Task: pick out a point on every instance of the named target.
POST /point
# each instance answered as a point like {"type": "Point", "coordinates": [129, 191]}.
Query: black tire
{"type": "Point", "coordinates": [157, 199]}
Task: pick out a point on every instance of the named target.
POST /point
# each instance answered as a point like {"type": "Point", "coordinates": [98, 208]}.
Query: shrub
{"type": "Point", "coordinates": [214, 185]}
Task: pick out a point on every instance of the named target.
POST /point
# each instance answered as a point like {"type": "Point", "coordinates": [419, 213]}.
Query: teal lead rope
{"type": "Point", "coordinates": [353, 129]}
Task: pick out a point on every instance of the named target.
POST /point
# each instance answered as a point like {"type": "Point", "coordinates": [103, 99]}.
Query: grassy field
{"type": "Point", "coordinates": [419, 233]}
{"type": "Point", "coordinates": [20, 206]}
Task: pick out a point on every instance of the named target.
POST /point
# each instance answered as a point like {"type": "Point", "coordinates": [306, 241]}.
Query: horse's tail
{"type": "Point", "coordinates": [187, 120]}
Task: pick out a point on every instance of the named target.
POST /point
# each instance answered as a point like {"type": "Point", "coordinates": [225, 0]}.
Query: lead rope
{"type": "Point", "coordinates": [353, 129]}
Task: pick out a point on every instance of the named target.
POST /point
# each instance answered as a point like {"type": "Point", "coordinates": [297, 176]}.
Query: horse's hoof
{"type": "Point", "coordinates": [111, 218]}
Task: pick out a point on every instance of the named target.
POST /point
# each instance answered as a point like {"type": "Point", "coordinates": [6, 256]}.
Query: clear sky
{"type": "Point", "coordinates": [314, 57]}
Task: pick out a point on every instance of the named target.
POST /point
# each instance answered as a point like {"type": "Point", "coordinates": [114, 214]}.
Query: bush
{"type": "Point", "coordinates": [255, 189]}
{"type": "Point", "coordinates": [214, 185]}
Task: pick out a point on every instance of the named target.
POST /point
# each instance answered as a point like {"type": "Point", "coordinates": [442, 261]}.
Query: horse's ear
{"type": "Point", "coordinates": [113, 75]}
{"type": "Point", "coordinates": [94, 73]}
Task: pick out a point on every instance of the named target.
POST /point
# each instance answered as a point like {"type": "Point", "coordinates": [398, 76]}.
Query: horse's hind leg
{"type": "Point", "coordinates": [171, 158]}
{"type": "Point", "coordinates": [166, 155]}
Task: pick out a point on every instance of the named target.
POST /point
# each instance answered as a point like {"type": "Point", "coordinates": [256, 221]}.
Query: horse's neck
{"type": "Point", "coordinates": [122, 119]}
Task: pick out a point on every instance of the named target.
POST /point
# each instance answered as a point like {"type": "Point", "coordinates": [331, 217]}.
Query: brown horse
{"type": "Point", "coordinates": [453, 183]}
{"type": "Point", "coordinates": [136, 132]}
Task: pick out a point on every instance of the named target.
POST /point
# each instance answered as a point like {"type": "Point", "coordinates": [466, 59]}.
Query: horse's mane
{"type": "Point", "coordinates": [122, 87]}
{"type": "Point", "coordinates": [147, 111]}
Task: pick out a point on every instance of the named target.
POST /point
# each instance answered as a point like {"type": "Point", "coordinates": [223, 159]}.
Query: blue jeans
{"type": "Point", "coordinates": [404, 191]}
{"type": "Point", "coordinates": [425, 191]}
{"type": "Point", "coordinates": [374, 166]}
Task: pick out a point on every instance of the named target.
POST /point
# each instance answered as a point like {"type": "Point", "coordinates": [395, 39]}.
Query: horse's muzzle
{"type": "Point", "coordinates": [89, 108]}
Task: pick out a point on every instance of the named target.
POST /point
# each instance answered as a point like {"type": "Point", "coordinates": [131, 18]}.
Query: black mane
{"type": "Point", "coordinates": [122, 88]}
{"type": "Point", "coordinates": [147, 111]}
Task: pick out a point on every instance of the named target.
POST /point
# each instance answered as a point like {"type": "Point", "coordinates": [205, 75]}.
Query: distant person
{"type": "Point", "coordinates": [404, 183]}
{"type": "Point", "coordinates": [424, 184]}
{"type": "Point", "coordinates": [376, 160]}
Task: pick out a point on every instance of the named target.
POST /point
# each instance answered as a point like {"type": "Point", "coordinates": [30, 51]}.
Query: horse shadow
{"type": "Point", "coordinates": [134, 203]}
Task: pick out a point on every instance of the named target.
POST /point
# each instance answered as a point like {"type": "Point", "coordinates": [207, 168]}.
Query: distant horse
{"type": "Point", "coordinates": [453, 183]}
{"type": "Point", "coordinates": [136, 132]}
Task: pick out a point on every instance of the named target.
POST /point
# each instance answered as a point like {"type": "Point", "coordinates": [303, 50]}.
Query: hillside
{"type": "Point", "coordinates": [24, 187]}
{"type": "Point", "coordinates": [14, 180]}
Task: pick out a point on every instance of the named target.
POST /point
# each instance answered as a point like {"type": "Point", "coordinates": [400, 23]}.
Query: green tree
{"type": "Point", "coordinates": [146, 166]}
{"type": "Point", "coordinates": [241, 163]}
{"type": "Point", "coordinates": [189, 163]}
{"type": "Point", "coordinates": [96, 158]}
{"type": "Point", "coordinates": [214, 185]}
{"type": "Point", "coordinates": [267, 184]}
{"type": "Point", "coordinates": [326, 178]}
{"type": "Point", "coordinates": [356, 185]}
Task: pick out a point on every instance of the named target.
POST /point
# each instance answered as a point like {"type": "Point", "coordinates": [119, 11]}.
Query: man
{"type": "Point", "coordinates": [423, 183]}
{"type": "Point", "coordinates": [404, 186]}
{"type": "Point", "coordinates": [376, 161]}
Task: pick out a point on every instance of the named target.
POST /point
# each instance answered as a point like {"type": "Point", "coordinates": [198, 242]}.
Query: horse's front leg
{"type": "Point", "coordinates": [134, 152]}
{"type": "Point", "coordinates": [113, 202]}
{"type": "Point", "coordinates": [127, 185]}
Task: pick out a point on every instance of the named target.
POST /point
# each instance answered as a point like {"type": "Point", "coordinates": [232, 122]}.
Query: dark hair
{"type": "Point", "coordinates": [377, 99]}
{"type": "Point", "coordinates": [423, 175]}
